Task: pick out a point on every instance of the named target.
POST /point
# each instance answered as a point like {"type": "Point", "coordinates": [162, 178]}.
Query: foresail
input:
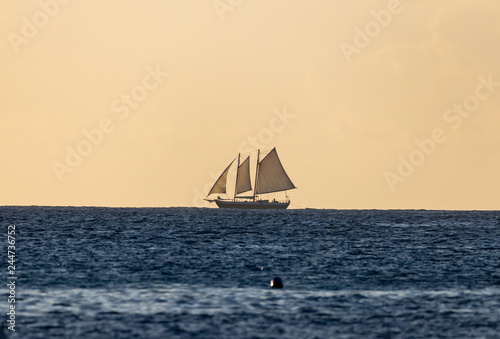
{"type": "Point", "coordinates": [272, 176]}
{"type": "Point", "coordinates": [243, 183]}
{"type": "Point", "coordinates": [220, 184]}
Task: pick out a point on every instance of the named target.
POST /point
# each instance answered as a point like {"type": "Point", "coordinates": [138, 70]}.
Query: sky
{"type": "Point", "coordinates": [370, 104]}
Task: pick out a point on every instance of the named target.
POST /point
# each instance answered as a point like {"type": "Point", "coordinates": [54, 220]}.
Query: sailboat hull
{"type": "Point", "coordinates": [253, 205]}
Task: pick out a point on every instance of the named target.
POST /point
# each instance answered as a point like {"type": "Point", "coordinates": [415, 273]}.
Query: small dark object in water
{"type": "Point", "coordinates": [276, 283]}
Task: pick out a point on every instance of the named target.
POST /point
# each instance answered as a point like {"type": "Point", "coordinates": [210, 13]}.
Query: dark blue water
{"type": "Point", "coordinates": [205, 273]}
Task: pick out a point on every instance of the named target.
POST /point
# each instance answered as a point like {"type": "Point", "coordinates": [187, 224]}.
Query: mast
{"type": "Point", "coordinates": [236, 182]}
{"type": "Point", "coordinates": [256, 174]}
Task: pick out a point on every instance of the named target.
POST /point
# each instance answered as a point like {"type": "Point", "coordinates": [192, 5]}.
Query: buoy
{"type": "Point", "coordinates": [276, 283]}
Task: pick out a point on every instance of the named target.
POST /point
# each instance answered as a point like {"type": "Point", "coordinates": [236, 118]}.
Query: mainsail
{"type": "Point", "coordinates": [220, 184]}
{"type": "Point", "coordinates": [243, 183]}
{"type": "Point", "coordinates": [272, 176]}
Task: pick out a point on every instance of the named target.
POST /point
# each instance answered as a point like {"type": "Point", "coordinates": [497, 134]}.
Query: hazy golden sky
{"type": "Point", "coordinates": [371, 104]}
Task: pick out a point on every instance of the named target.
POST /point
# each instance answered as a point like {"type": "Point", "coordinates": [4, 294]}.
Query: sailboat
{"type": "Point", "coordinates": [270, 177]}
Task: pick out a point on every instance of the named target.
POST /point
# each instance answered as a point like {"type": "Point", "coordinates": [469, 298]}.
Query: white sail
{"type": "Point", "coordinates": [272, 176]}
{"type": "Point", "coordinates": [243, 183]}
{"type": "Point", "coordinates": [220, 184]}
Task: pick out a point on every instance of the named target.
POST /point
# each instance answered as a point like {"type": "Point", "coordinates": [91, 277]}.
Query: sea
{"type": "Point", "coordinates": [91, 272]}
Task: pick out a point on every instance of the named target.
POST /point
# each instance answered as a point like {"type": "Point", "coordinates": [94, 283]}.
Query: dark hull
{"type": "Point", "coordinates": [253, 205]}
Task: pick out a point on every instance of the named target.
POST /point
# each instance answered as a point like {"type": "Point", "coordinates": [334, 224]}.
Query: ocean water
{"type": "Point", "coordinates": [205, 273]}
